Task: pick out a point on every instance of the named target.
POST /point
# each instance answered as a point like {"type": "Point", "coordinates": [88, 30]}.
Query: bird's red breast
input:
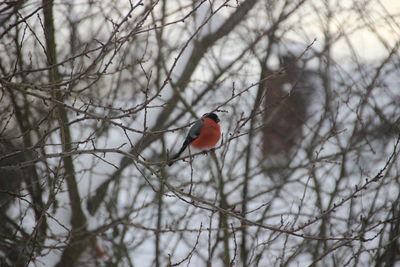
{"type": "Point", "coordinates": [209, 135]}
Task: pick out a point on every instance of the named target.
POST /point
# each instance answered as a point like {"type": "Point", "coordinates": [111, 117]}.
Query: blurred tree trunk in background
{"type": "Point", "coordinates": [78, 221]}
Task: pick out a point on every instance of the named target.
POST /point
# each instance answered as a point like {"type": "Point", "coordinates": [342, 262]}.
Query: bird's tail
{"type": "Point", "coordinates": [172, 160]}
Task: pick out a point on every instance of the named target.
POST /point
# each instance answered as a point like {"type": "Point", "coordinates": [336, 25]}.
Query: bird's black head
{"type": "Point", "coordinates": [212, 116]}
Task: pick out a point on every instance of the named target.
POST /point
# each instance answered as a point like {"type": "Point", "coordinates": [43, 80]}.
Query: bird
{"type": "Point", "coordinates": [204, 134]}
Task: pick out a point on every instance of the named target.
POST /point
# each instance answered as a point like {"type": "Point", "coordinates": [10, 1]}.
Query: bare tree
{"type": "Point", "coordinates": [96, 95]}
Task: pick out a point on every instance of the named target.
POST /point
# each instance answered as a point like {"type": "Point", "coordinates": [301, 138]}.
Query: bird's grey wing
{"type": "Point", "coordinates": [194, 131]}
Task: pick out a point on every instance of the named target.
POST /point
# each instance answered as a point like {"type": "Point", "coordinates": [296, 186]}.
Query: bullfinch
{"type": "Point", "coordinates": [205, 133]}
